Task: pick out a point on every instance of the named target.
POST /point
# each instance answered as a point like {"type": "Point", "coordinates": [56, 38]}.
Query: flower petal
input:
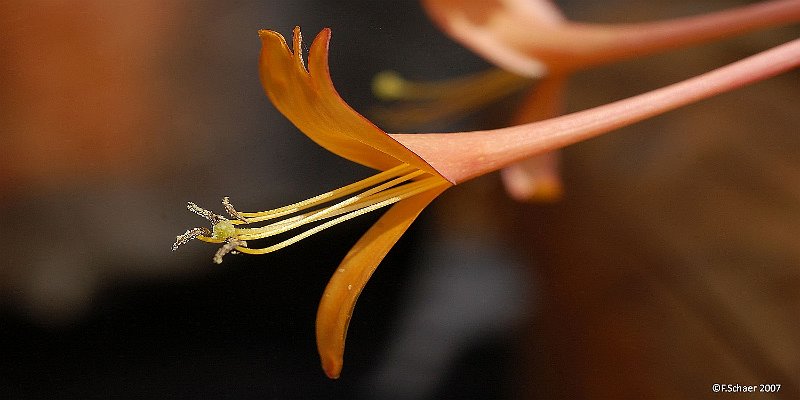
{"type": "Point", "coordinates": [530, 37]}
{"type": "Point", "coordinates": [534, 179]}
{"type": "Point", "coordinates": [538, 178]}
{"type": "Point", "coordinates": [492, 29]}
{"type": "Point", "coordinates": [339, 298]}
{"type": "Point", "coordinates": [309, 100]}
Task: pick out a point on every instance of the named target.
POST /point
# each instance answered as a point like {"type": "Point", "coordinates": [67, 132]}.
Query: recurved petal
{"type": "Point", "coordinates": [531, 37]}
{"type": "Point", "coordinates": [339, 298]}
{"type": "Point", "coordinates": [538, 178]}
{"type": "Point", "coordinates": [499, 30]}
{"type": "Point", "coordinates": [535, 179]}
{"type": "Point", "coordinates": [309, 100]}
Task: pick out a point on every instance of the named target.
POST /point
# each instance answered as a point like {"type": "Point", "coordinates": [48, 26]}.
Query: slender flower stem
{"type": "Point", "coordinates": [462, 156]}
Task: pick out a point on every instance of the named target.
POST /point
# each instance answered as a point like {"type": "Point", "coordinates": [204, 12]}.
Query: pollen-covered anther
{"type": "Point", "coordinates": [322, 212]}
{"type": "Point", "coordinates": [209, 215]}
{"type": "Point", "coordinates": [389, 85]}
{"type": "Point", "coordinates": [229, 247]}
{"type": "Point", "coordinates": [188, 236]}
{"type": "Point", "coordinates": [226, 202]}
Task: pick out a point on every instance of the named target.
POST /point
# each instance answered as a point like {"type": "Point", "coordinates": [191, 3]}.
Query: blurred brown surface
{"type": "Point", "coordinates": [81, 88]}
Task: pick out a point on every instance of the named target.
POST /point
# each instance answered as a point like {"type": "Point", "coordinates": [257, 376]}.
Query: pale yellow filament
{"type": "Point", "coordinates": [377, 191]}
{"type": "Point", "coordinates": [410, 190]}
{"type": "Point", "coordinates": [332, 195]}
{"type": "Point", "coordinates": [283, 226]}
{"type": "Point", "coordinates": [422, 103]}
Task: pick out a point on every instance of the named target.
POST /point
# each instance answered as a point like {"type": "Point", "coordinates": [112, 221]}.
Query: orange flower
{"type": "Point", "coordinates": [532, 38]}
{"type": "Point", "coordinates": [310, 101]}
{"type": "Point", "coordinates": [306, 96]}
{"type": "Point", "coordinates": [415, 168]}
{"type": "Point", "coordinates": [465, 155]}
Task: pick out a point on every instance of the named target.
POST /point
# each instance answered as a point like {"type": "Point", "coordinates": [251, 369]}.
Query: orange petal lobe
{"type": "Point", "coordinates": [535, 179]}
{"type": "Point", "coordinates": [530, 37]}
{"type": "Point", "coordinates": [309, 100]}
{"type": "Point", "coordinates": [499, 30]}
{"type": "Point", "coordinates": [339, 298]}
{"type": "Point", "coordinates": [538, 178]}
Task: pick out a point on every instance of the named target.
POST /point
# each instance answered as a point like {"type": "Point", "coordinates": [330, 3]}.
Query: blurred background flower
{"type": "Point", "coordinates": [671, 263]}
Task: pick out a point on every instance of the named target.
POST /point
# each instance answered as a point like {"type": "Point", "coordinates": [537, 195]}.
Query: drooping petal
{"type": "Point", "coordinates": [528, 37]}
{"type": "Point", "coordinates": [309, 100]}
{"type": "Point", "coordinates": [489, 28]}
{"type": "Point", "coordinates": [538, 178]}
{"type": "Point", "coordinates": [339, 298]}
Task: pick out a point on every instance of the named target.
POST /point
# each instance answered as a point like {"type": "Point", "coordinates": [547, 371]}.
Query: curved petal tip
{"type": "Point", "coordinates": [306, 96]}
{"type": "Point", "coordinates": [332, 367]}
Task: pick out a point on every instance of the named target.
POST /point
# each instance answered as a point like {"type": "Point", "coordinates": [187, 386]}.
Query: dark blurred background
{"type": "Point", "coordinates": [671, 264]}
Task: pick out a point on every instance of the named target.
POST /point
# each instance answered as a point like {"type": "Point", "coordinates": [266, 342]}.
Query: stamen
{"type": "Point", "coordinates": [280, 227]}
{"type": "Point", "coordinates": [210, 216]}
{"type": "Point", "coordinates": [250, 217]}
{"type": "Point", "coordinates": [427, 102]}
{"type": "Point", "coordinates": [418, 188]}
{"type": "Point", "coordinates": [389, 85]}
{"type": "Point", "coordinates": [229, 247]}
{"type": "Point", "coordinates": [249, 233]}
{"type": "Point", "coordinates": [188, 236]}
{"type": "Point", "coordinates": [226, 203]}
{"type": "Point", "coordinates": [375, 192]}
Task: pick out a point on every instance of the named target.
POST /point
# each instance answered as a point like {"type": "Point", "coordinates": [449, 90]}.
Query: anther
{"type": "Point", "coordinates": [226, 202]}
{"type": "Point", "coordinates": [329, 209]}
{"type": "Point", "coordinates": [210, 216]}
{"type": "Point", "coordinates": [229, 247]}
{"type": "Point", "coordinates": [188, 236]}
